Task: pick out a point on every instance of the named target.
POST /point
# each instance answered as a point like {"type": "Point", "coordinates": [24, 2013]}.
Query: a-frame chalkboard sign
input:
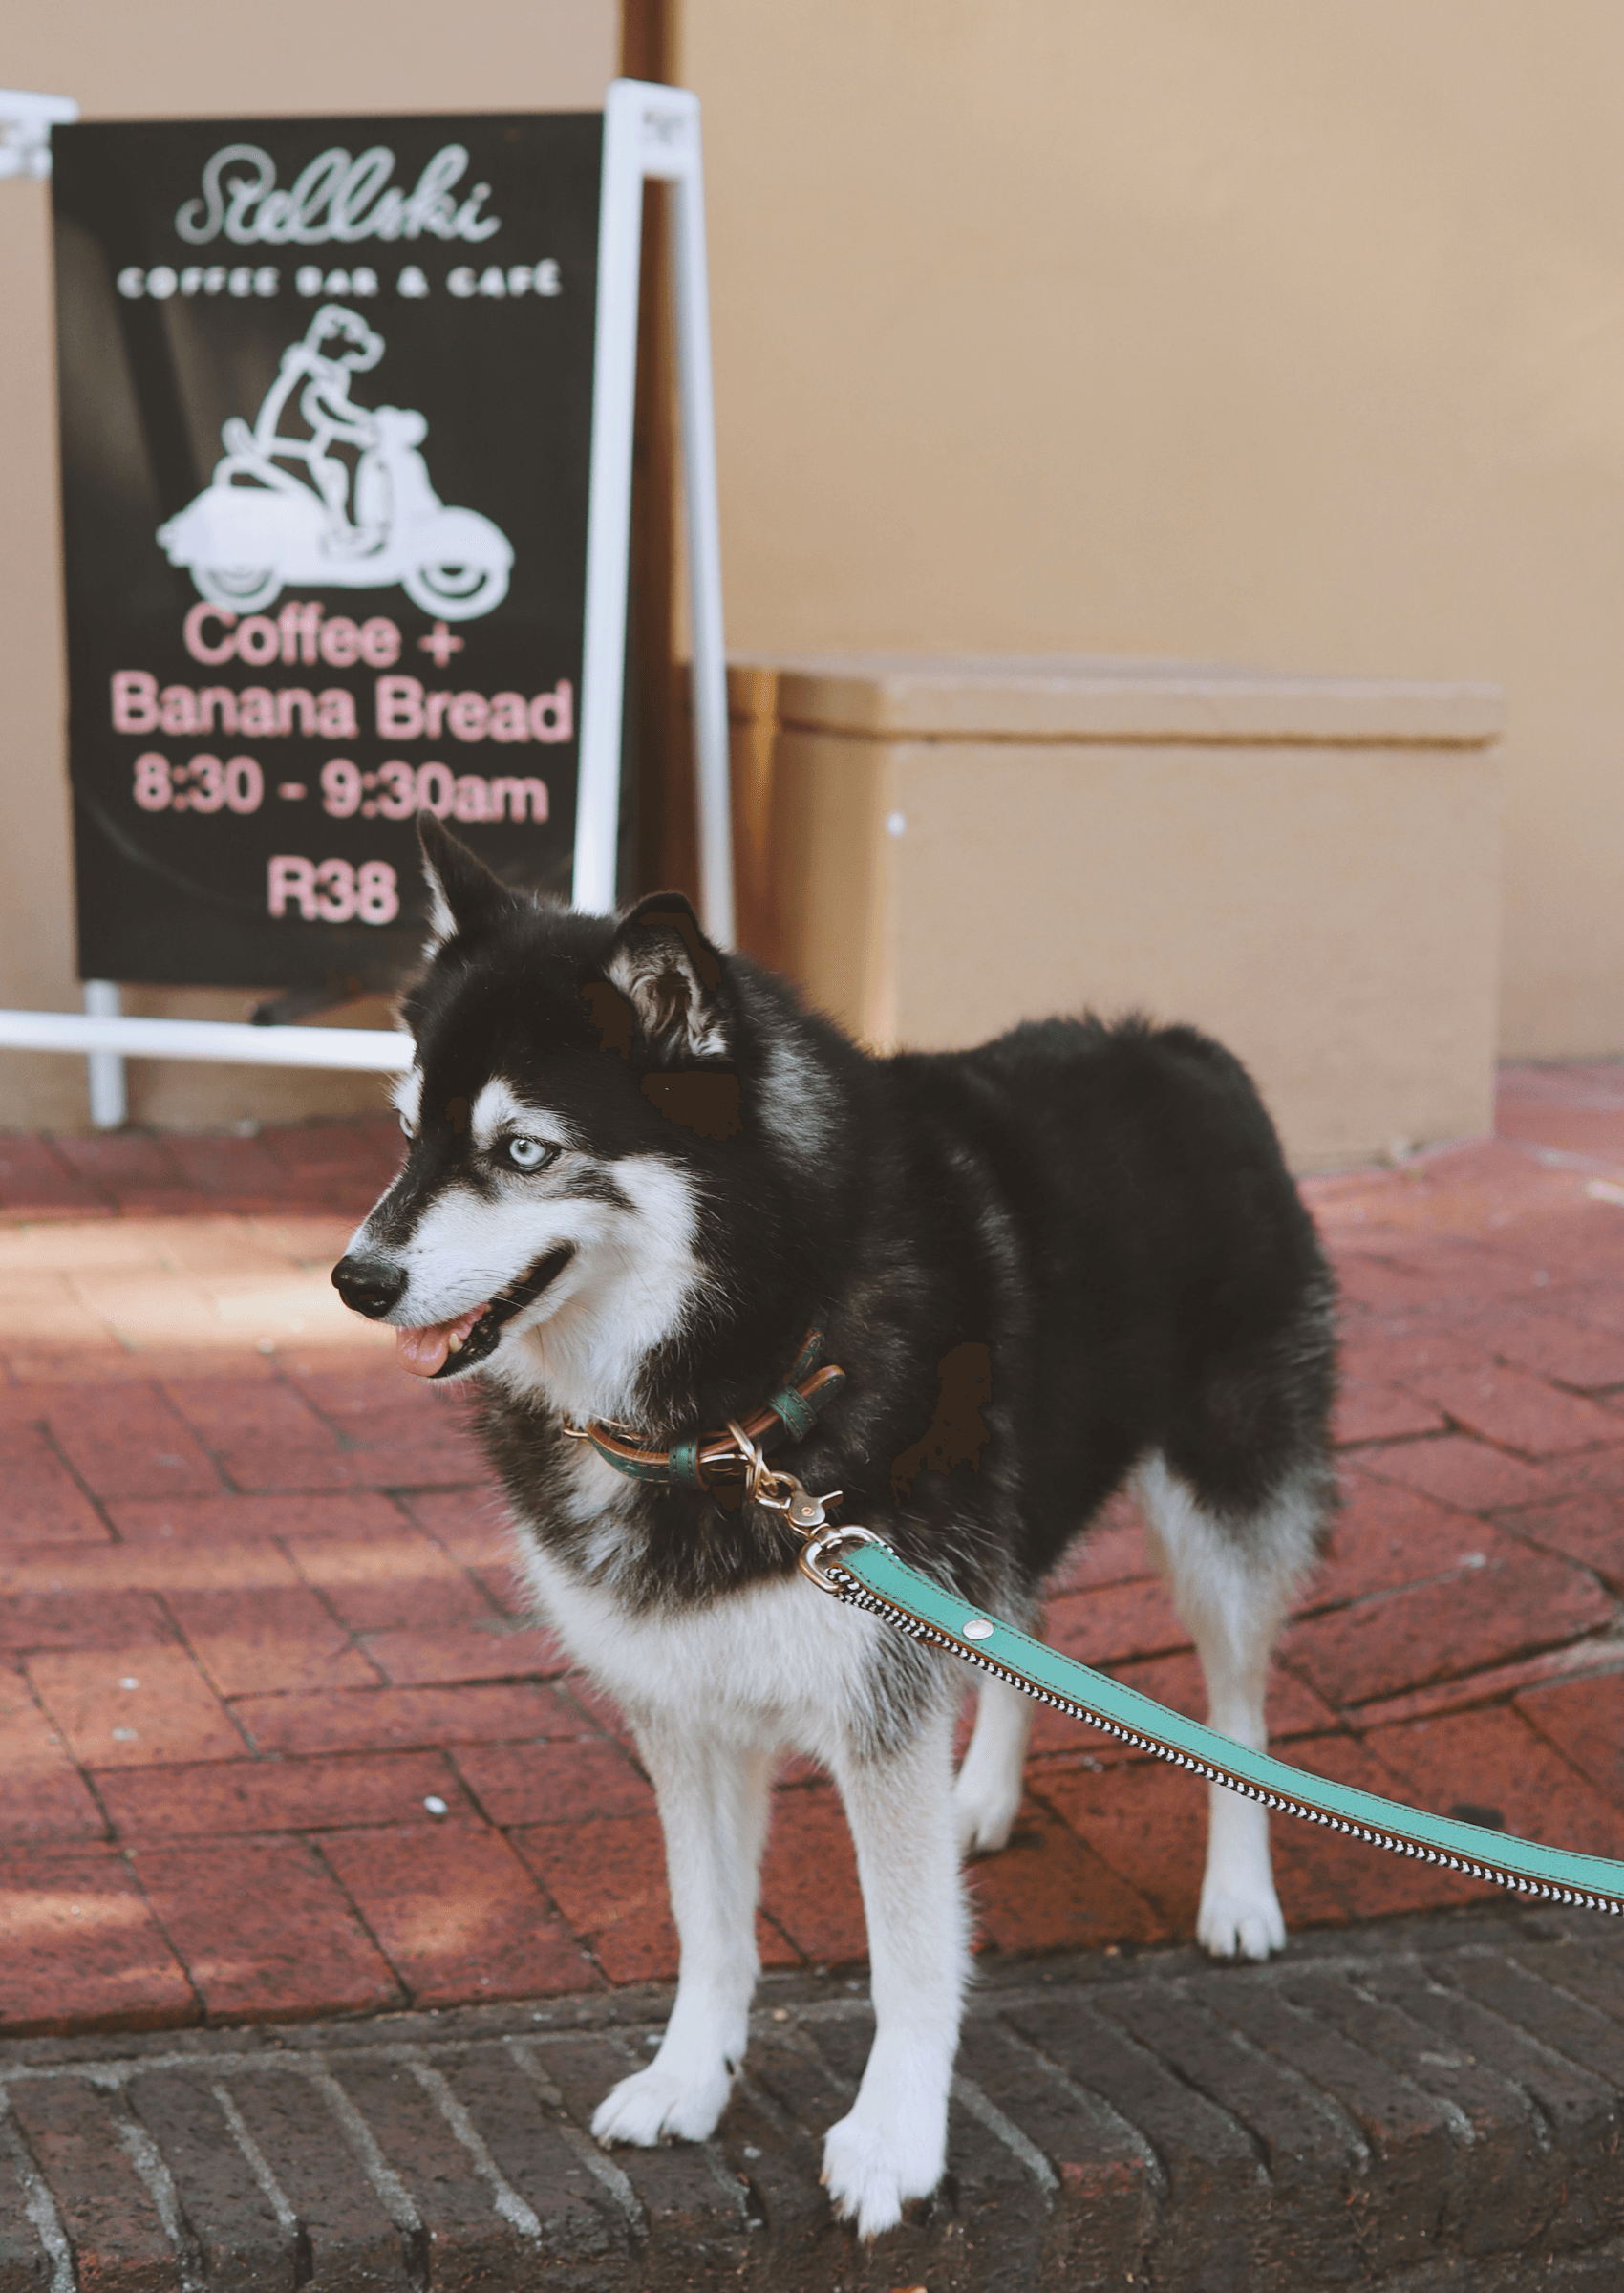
{"type": "Point", "coordinates": [347, 424]}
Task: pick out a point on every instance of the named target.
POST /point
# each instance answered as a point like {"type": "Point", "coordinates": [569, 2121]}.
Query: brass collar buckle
{"type": "Point", "coordinates": [806, 1514]}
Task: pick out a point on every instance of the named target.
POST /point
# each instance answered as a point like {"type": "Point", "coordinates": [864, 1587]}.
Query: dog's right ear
{"type": "Point", "coordinates": [463, 895]}
{"type": "Point", "coordinates": [672, 976]}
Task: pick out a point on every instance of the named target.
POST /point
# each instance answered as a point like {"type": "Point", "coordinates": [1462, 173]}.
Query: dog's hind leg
{"type": "Point", "coordinates": [712, 1797]}
{"type": "Point", "coordinates": [1232, 1583]}
{"type": "Point", "coordinates": [892, 2143]}
{"type": "Point", "coordinates": [987, 1793]}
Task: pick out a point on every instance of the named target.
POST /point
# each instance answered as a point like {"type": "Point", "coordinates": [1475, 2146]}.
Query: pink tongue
{"type": "Point", "coordinates": [424, 1351]}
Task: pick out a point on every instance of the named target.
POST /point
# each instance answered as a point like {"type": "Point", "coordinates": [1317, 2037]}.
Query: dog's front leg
{"type": "Point", "coordinates": [892, 2144]}
{"type": "Point", "coordinates": [712, 1797]}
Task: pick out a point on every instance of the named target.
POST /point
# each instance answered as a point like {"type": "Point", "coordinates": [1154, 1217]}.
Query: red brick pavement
{"type": "Point", "coordinates": [276, 1740]}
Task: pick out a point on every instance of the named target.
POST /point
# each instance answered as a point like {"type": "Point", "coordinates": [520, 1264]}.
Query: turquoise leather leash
{"type": "Point", "coordinates": [859, 1567]}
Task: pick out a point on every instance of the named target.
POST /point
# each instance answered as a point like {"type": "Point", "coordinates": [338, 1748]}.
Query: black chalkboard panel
{"type": "Point", "coordinates": [326, 412]}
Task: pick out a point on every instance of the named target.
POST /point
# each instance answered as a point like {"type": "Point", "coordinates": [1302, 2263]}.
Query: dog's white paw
{"type": "Point", "coordinates": [661, 2105]}
{"type": "Point", "coordinates": [869, 2174]}
{"type": "Point", "coordinates": [1233, 1925]}
{"type": "Point", "coordinates": [983, 1818]}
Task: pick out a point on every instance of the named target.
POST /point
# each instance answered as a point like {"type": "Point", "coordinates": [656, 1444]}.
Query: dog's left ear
{"type": "Point", "coordinates": [462, 892]}
{"type": "Point", "coordinates": [673, 979]}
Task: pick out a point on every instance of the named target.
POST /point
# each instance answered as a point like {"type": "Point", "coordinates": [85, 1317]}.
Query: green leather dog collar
{"type": "Point", "coordinates": [787, 1414]}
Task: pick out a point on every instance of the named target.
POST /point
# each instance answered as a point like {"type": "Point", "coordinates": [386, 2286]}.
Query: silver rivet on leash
{"type": "Point", "coordinates": [977, 1629]}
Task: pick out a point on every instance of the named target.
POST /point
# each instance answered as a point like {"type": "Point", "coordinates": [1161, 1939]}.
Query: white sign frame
{"type": "Point", "coordinates": [650, 134]}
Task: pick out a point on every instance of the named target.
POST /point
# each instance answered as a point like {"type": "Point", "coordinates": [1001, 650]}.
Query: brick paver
{"type": "Point", "coordinates": [455, 1910]}
{"type": "Point", "coordinates": [278, 1741]}
{"type": "Point", "coordinates": [85, 1949]}
{"type": "Point", "coordinates": [132, 1706]}
{"type": "Point", "coordinates": [266, 1931]}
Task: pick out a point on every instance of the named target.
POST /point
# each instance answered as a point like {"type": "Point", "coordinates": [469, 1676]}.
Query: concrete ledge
{"type": "Point", "coordinates": [1428, 2106]}
{"type": "Point", "coordinates": [981, 697]}
{"type": "Point", "coordinates": [1309, 869]}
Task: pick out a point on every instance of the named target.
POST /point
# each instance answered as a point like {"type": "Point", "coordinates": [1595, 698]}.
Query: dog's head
{"type": "Point", "coordinates": [574, 1099]}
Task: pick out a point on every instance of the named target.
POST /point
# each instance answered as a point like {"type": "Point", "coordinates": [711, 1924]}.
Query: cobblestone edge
{"type": "Point", "coordinates": [1433, 2103]}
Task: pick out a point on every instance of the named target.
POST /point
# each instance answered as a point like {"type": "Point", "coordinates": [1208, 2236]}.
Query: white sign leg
{"type": "Point", "coordinates": [651, 132]}
{"type": "Point", "coordinates": [109, 1102]}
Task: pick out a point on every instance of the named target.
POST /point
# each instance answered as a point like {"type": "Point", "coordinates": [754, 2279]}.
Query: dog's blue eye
{"type": "Point", "coordinates": [528, 1154]}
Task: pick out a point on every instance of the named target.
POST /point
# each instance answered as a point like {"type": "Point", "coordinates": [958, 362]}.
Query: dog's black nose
{"type": "Point", "coordinates": [367, 1286]}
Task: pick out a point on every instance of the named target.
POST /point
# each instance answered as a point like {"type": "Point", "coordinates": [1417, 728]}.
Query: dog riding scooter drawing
{"type": "Point", "coordinates": [284, 511]}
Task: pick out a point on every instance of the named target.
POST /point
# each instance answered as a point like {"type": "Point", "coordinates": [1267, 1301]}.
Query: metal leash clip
{"type": "Point", "coordinates": [806, 1514]}
{"type": "Point", "coordinates": [818, 1548]}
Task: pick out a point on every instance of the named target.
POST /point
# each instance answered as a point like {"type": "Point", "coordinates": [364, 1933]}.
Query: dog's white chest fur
{"type": "Point", "coordinates": [777, 1664]}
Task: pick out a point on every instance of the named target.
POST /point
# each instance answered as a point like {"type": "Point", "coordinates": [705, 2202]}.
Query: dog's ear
{"type": "Point", "coordinates": [673, 979]}
{"type": "Point", "coordinates": [462, 892]}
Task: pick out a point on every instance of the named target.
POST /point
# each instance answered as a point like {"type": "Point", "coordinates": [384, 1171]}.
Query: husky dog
{"type": "Point", "coordinates": [1069, 1261]}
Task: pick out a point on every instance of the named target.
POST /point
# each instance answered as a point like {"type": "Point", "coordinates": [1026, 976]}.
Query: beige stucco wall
{"type": "Point", "coordinates": [180, 56]}
{"type": "Point", "coordinates": [1283, 334]}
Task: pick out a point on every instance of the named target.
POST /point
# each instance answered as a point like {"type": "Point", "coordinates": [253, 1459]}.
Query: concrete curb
{"type": "Point", "coordinates": [1431, 2105]}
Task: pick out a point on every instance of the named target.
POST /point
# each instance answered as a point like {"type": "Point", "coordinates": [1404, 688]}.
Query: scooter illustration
{"type": "Point", "coordinates": [282, 511]}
